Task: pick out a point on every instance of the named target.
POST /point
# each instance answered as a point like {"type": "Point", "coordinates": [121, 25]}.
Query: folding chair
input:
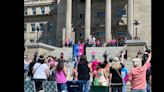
{"type": "Point", "coordinates": [99, 89]}
{"type": "Point", "coordinates": [29, 86]}
{"type": "Point", "coordinates": [49, 86]}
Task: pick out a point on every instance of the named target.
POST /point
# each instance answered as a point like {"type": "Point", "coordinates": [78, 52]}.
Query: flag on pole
{"type": "Point", "coordinates": [78, 50]}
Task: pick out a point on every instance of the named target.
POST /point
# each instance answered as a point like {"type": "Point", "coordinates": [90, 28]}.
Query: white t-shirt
{"type": "Point", "coordinates": [93, 39]}
{"type": "Point", "coordinates": [40, 72]}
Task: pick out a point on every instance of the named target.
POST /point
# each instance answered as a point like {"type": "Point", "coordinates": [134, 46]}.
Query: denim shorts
{"type": "Point", "coordinates": [139, 90]}
{"type": "Point", "coordinates": [61, 87]}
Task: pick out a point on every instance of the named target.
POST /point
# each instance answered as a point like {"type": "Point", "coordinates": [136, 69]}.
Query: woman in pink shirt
{"type": "Point", "coordinates": [137, 75]}
{"type": "Point", "coordinates": [95, 62]}
{"type": "Point", "coordinates": [60, 75]}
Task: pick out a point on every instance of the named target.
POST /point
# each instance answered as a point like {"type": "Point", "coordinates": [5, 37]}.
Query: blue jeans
{"type": "Point", "coordinates": [86, 85]}
{"type": "Point", "coordinates": [124, 88]}
{"type": "Point", "coordinates": [116, 88]}
{"type": "Point", "coordinates": [139, 90]}
{"type": "Point", "coordinates": [61, 87]}
{"type": "Point", "coordinates": [148, 88]}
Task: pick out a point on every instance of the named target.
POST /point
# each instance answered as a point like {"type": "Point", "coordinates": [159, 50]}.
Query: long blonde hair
{"type": "Point", "coordinates": [116, 65]}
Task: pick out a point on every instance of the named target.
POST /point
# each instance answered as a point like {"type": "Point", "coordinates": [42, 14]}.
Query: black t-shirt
{"type": "Point", "coordinates": [83, 71]}
{"type": "Point", "coordinates": [31, 68]}
{"type": "Point", "coordinates": [115, 76]}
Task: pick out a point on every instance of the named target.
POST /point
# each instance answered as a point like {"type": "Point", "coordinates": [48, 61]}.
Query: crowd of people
{"type": "Point", "coordinates": [103, 73]}
{"type": "Point", "coordinates": [93, 42]}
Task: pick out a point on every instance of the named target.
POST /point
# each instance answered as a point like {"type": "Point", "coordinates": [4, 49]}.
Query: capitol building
{"type": "Point", "coordinates": [52, 22]}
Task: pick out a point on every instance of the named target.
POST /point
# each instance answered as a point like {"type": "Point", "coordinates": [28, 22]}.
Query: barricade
{"type": "Point", "coordinates": [74, 86]}
{"type": "Point", "coordinates": [29, 86]}
{"type": "Point", "coordinates": [49, 86]}
{"type": "Point", "coordinates": [99, 89]}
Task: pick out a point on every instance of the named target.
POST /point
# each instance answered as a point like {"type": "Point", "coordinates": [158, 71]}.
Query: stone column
{"type": "Point", "coordinates": [108, 35]}
{"type": "Point", "coordinates": [87, 18]}
{"type": "Point", "coordinates": [28, 29]}
{"type": "Point", "coordinates": [130, 18]}
{"type": "Point", "coordinates": [68, 19]}
{"type": "Point", "coordinates": [63, 40]}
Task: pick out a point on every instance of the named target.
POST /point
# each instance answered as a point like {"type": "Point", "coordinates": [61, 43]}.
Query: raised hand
{"type": "Point", "coordinates": [123, 53]}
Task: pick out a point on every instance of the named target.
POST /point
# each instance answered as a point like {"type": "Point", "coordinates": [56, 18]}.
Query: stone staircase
{"type": "Point", "coordinates": [111, 51]}
{"type": "Point", "coordinates": [41, 48]}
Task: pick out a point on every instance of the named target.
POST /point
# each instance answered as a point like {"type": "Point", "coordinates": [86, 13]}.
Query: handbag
{"type": "Point", "coordinates": [51, 77]}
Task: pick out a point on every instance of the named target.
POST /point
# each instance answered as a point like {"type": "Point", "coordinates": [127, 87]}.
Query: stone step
{"type": "Point", "coordinates": [111, 51]}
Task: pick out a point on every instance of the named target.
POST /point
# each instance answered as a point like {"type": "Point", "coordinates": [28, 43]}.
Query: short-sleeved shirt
{"type": "Point", "coordinates": [124, 73]}
{"type": "Point", "coordinates": [94, 64]}
{"type": "Point", "coordinates": [83, 71]}
{"type": "Point", "coordinates": [137, 76]}
{"type": "Point", "coordinates": [40, 72]}
{"type": "Point", "coordinates": [115, 77]}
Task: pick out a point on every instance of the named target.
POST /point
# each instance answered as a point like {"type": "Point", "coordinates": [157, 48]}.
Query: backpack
{"type": "Point", "coordinates": [83, 71]}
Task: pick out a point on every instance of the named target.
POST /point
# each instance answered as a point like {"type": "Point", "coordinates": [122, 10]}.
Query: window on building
{"type": "Point", "coordinates": [32, 41]}
{"type": "Point", "coordinates": [42, 27]}
{"type": "Point", "coordinates": [119, 14]}
{"type": "Point", "coordinates": [82, 16]}
{"type": "Point", "coordinates": [100, 34]}
{"type": "Point", "coordinates": [25, 11]}
{"type": "Point", "coordinates": [123, 12]}
{"type": "Point", "coordinates": [103, 33]}
{"type": "Point", "coordinates": [43, 10]}
{"type": "Point", "coordinates": [33, 27]}
{"type": "Point", "coordinates": [34, 10]}
{"type": "Point", "coordinates": [97, 34]}
{"type": "Point", "coordinates": [50, 27]}
{"type": "Point", "coordinates": [81, 34]}
{"type": "Point", "coordinates": [49, 41]}
{"type": "Point", "coordinates": [101, 14]}
{"type": "Point", "coordinates": [25, 27]}
{"type": "Point", "coordinates": [76, 34]}
{"type": "Point", "coordinates": [52, 8]}
{"type": "Point", "coordinates": [82, 0]}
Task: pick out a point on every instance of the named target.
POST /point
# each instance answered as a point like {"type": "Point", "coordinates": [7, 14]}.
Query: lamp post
{"type": "Point", "coordinates": [37, 40]}
{"type": "Point", "coordinates": [37, 33]}
{"type": "Point", "coordinates": [136, 23]}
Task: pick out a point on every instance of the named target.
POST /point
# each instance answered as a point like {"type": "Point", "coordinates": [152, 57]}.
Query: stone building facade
{"type": "Point", "coordinates": [40, 17]}
{"type": "Point", "coordinates": [105, 19]}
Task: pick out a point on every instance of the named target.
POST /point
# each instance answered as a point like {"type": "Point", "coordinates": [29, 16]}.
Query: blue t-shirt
{"type": "Point", "coordinates": [124, 72]}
